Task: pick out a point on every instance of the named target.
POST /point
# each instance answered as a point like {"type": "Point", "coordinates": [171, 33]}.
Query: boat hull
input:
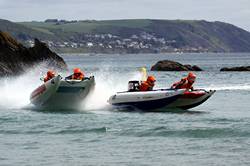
{"type": "Point", "coordinates": [165, 98]}
{"type": "Point", "coordinates": [191, 99]}
{"type": "Point", "coordinates": [62, 94]}
{"type": "Point", "coordinates": [146, 100]}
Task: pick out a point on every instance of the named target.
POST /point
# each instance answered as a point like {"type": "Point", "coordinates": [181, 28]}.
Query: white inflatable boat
{"type": "Point", "coordinates": [147, 99]}
{"type": "Point", "coordinates": [59, 93]}
{"type": "Point", "coordinates": [161, 98]}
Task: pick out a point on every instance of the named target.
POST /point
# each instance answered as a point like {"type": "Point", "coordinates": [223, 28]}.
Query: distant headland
{"type": "Point", "coordinates": [131, 36]}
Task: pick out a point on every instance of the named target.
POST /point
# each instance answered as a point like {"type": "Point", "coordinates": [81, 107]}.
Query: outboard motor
{"type": "Point", "coordinates": [133, 86]}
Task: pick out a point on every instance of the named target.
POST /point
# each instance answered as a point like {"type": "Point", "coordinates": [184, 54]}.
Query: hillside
{"type": "Point", "coordinates": [135, 36]}
{"type": "Point", "coordinates": [22, 32]}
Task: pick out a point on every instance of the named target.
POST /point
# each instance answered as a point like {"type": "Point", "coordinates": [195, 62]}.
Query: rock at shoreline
{"type": "Point", "coordinates": [14, 57]}
{"type": "Point", "coordinates": [241, 68]}
{"type": "Point", "coordinates": [167, 65]}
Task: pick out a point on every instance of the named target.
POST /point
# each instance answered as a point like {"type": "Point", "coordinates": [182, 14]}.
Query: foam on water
{"type": "Point", "coordinates": [107, 84]}
{"type": "Point", "coordinates": [229, 87]}
{"type": "Point", "coordinates": [15, 91]}
{"type": "Point", "coordinates": [215, 132]}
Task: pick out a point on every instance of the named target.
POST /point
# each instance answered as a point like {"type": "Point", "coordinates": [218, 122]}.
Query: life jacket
{"type": "Point", "coordinates": [78, 77]}
{"type": "Point", "coordinates": [145, 86]}
{"type": "Point", "coordinates": [47, 78]}
{"type": "Point", "coordinates": [183, 84]}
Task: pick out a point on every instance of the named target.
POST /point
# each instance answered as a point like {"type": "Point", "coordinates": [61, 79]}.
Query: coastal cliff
{"type": "Point", "coordinates": [15, 58]}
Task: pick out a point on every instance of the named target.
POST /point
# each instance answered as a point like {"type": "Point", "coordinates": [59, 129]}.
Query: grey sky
{"type": "Point", "coordinates": [236, 12]}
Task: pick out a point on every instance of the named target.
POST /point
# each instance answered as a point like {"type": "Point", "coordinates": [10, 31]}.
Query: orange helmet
{"type": "Point", "coordinates": [151, 79]}
{"type": "Point", "coordinates": [50, 73]}
{"type": "Point", "coordinates": [191, 77]}
{"type": "Point", "coordinates": [77, 70]}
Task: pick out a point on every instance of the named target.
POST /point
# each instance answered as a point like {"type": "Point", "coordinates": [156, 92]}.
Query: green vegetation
{"type": "Point", "coordinates": [22, 32]}
{"type": "Point", "coordinates": [212, 36]}
{"type": "Point", "coordinates": [87, 26]}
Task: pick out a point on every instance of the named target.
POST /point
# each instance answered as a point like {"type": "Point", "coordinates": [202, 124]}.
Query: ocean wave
{"type": "Point", "coordinates": [21, 132]}
{"type": "Point", "coordinates": [83, 130]}
{"type": "Point", "coordinates": [189, 133]}
{"type": "Point", "coordinates": [49, 131]}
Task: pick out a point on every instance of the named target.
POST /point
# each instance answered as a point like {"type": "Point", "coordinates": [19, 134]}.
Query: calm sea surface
{"type": "Point", "coordinates": [215, 133]}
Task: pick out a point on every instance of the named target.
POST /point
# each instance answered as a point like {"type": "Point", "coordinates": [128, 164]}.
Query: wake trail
{"type": "Point", "coordinates": [229, 87]}
{"type": "Point", "coordinates": [15, 92]}
{"type": "Point", "coordinates": [107, 84]}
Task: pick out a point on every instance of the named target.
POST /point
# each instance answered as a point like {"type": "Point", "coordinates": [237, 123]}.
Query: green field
{"type": "Point", "coordinates": [85, 26]}
{"type": "Point", "coordinates": [215, 36]}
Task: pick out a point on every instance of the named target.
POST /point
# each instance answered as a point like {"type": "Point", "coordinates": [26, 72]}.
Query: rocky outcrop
{"type": "Point", "coordinates": [167, 65]}
{"type": "Point", "coordinates": [241, 68]}
{"type": "Point", "coordinates": [14, 57]}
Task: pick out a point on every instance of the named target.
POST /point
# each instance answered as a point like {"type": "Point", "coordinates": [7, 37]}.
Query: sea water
{"type": "Point", "coordinates": [214, 133]}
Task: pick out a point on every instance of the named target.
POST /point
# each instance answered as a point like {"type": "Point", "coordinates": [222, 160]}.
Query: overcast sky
{"type": "Point", "coordinates": [236, 12]}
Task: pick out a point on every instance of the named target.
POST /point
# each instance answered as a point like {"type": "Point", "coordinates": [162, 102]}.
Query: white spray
{"type": "Point", "coordinates": [15, 91]}
{"type": "Point", "coordinates": [108, 84]}
{"type": "Point", "coordinates": [230, 87]}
